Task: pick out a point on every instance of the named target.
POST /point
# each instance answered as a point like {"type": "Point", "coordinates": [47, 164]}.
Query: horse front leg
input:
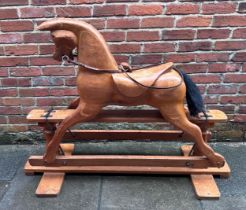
{"type": "Point", "coordinates": [84, 112]}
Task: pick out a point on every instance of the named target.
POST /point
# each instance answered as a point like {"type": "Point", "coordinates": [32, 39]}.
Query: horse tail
{"type": "Point", "coordinates": [193, 96]}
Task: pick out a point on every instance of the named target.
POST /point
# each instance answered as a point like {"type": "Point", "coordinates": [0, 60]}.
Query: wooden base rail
{"type": "Point", "coordinates": [191, 163]}
{"type": "Point", "coordinates": [53, 177]}
{"type": "Point", "coordinates": [124, 160]}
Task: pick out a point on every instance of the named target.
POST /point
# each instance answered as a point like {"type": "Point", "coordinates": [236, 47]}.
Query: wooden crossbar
{"type": "Point", "coordinates": [124, 160]}
{"type": "Point", "coordinates": [223, 171]}
{"type": "Point", "coordinates": [169, 135]}
{"type": "Point", "coordinates": [144, 116]}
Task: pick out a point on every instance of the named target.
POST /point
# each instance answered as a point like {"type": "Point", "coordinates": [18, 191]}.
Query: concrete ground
{"type": "Point", "coordinates": [119, 192]}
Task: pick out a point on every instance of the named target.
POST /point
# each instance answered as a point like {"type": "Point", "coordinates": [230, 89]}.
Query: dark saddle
{"type": "Point", "coordinates": [145, 77]}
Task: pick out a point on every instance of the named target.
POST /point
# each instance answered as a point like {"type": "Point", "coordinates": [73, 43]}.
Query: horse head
{"type": "Point", "coordinates": [69, 33]}
{"type": "Point", "coordinates": [65, 42]}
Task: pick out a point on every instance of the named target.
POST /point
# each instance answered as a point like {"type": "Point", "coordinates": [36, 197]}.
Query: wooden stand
{"type": "Point", "coordinates": [51, 182]}
{"type": "Point", "coordinates": [195, 165]}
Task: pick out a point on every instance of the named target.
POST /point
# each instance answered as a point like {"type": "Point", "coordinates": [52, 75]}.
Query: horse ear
{"type": "Point", "coordinates": [64, 37]}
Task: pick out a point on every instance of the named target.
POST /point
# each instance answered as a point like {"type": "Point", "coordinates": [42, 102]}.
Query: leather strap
{"type": "Point", "coordinates": [125, 70]}
{"type": "Point", "coordinates": [66, 58]}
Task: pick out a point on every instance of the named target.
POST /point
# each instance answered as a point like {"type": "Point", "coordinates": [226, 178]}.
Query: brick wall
{"type": "Point", "coordinates": [205, 38]}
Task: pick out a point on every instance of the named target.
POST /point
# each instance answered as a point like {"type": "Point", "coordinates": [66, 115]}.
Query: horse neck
{"type": "Point", "coordinates": [93, 51]}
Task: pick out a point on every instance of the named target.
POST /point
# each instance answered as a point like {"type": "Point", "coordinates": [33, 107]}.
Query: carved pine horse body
{"type": "Point", "coordinates": [97, 90]}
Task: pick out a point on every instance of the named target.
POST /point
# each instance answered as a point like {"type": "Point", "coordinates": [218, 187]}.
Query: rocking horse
{"type": "Point", "coordinates": [101, 82]}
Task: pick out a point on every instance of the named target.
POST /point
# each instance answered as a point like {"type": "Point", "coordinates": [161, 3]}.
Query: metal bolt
{"type": "Point", "coordinates": [188, 164]}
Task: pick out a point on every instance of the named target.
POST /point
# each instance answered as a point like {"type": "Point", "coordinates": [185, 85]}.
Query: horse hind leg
{"type": "Point", "coordinates": [175, 114]}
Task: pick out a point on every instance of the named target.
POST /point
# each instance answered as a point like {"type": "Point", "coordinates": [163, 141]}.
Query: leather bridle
{"type": "Point", "coordinates": [126, 70]}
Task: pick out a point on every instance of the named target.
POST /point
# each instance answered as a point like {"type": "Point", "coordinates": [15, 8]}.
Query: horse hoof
{"type": "Point", "coordinates": [220, 164]}
{"type": "Point", "coordinates": [218, 160]}
{"type": "Point", "coordinates": [47, 159]}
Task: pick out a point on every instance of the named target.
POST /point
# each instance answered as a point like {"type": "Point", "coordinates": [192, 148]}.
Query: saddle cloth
{"type": "Point", "coordinates": [145, 76]}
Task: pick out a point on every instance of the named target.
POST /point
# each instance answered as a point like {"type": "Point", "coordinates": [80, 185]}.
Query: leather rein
{"type": "Point", "coordinates": [125, 70]}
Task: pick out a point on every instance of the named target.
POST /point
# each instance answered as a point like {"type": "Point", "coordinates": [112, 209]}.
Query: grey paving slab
{"type": "Point", "coordinates": [225, 203]}
{"type": "Point", "coordinates": [78, 192]}
{"type": "Point", "coordinates": [4, 186]}
{"type": "Point", "coordinates": [233, 190]}
{"type": "Point", "coordinates": [11, 158]}
{"type": "Point", "coordinates": [147, 192]}
{"type": "Point", "coordinates": [234, 153]}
